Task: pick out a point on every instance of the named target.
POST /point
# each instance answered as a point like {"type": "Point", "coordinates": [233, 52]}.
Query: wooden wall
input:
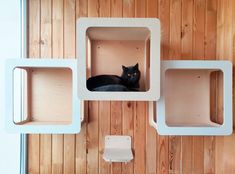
{"type": "Point", "coordinates": [191, 29]}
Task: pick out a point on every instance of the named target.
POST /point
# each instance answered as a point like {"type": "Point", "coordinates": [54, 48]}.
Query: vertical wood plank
{"type": "Point", "coordinates": [81, 8]}
{"type": "Point", "coordinates": [69, 52]}
{"type": "Point", "coordinates": [33, 148]}
{"type": "Point", "coordinates": [34, 29]}
{"type": "Point", "coordinates": [57, 154]}
{"type": "Point", "coordinates": [219, 157]}
{"type": "Point", "coordinates": [220, 32]}
{"type": "Point", "coordinates": [93, 8]}
{"type": "Point", "coordinates": [93, 138]}
{"type": "Point", "coordinates": [164, 15]}
{"type": "Point", "coordinates": [162, 147]}
{"type": "Point", "coordinates": [198, 155]}
{"type": "Point", "coordinates": [210, 54]}
{"type": "Point", "coordinates": [57, 28]}
{"type": "Point", "coordinates": [187, 53]}
{"type": "Point", "coordinates": [57, 52]}
{"type": "Point", "coordinates": [116, 129]}
{"type": "Point", "coordinates": [81, 144]}
{"type": "Point", "coordinates": [104, 129]}
{"type": "Point", "coordinates": [116, 8]}
{"type": "Point", "coordinates": [152, 8]}
{"type": "Point", "coordinates": [187, 30]}
{"type": "Point", "coordinates": [163, 151]}
{"type": "Point", "coordinates": [139, 120]}
{"type": "Point", "coordinates": [140, 8]}
{"type": "Point", "coordinates": [198, 54]}
{"type": "Point", "coordinates": [228, 29]}
{"type": "Point", "coordinates": [128, 7]}
{"type": "Point", "coordinates": [69, 154]}
{"type": "Point", "coordinates": [128, 129]}
{"type": "Point", "coordinates": [69, 28]}
{"type": "Point", "coordinates": [199, 30]}
{"type": "Point", "coordinates": [187, 143]}
{"type": "Point", "coordinates": [139, 138]}
{"type": "Point", "coordinates": [93, 119]}
{"type": "Point", "coordinates": [46, 26]}
{"type": "Point", "coordinates": [175, 53]}
{"type": "Point", "coordinates": [210, 29]}
{"type": "Point", "coordinates": [81, 140]}
{"type": "Point", "coordinates": [127, 106]}
{"type": "Point", "coordinates": [151, 134]}
{"type": "Point", "coordinates": [104, 8]}
{"type": "Point", "coordinates": [45, 154]}
{"type": "Point", "coordinates": [151, 147]}
{"type": "Point", "coordinates": [228, 153]}
{"type": "Point", "coordinates": [45, 48]}
{"type": "Point", "coordinates": [175, 30]}
{"type": "Point", "coordinates": [34, 51]}
{"type": "Point", "coordinates": [209, 155]}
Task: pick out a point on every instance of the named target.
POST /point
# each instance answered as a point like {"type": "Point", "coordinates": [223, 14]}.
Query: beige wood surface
{"type": "Point", "coordinates": [191, 29]}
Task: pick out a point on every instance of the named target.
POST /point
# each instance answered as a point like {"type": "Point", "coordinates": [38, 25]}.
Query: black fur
{"type": "Point", "coordinates": [129, 81]}
{"type": "Point", "coordinates": [111, 88]}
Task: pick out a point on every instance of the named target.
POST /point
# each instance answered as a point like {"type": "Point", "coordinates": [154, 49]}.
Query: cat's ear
{"type": "Point", "coordinates": [137, 66]}
{"type": "Point", "coordinates": [123, 68]}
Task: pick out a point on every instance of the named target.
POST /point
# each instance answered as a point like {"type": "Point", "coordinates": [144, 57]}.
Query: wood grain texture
{"type": "Point", "coordinates": [81, 138]}
{"type": "Point", "coordinates": [57, 154]}
{"type": "Point", "coordinates": [57, 52]}
{"type": "Point", "coordinates": [45, 154]}
{"type": "Point", "coordinates": [190, 29]}
{"type": "Point", "coordinates": [128, 111]}
{"type": "Point", "coordinates": [104, 129]}
{"type": "Point", "coordinates": [116, 129]}
{"type": "Point", "coordinates": [187, 54]}
{"type": "Point", "coordinates": [34, 51]}
{"type": "Point", "coordinates": [57, 28]}
{"type": "Point", "coordinates": [175, 54]}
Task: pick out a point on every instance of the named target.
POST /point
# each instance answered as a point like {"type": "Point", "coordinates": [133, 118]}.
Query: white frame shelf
{"type": "Point", "coordinates": [153, 25]}
{"type": "Point", "coordinates": [225, 128]}
{"type": "Point", "coordinates": [77, 111]}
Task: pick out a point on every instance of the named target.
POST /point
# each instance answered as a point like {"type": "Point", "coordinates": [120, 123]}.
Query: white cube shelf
{"type": "Point", "coordinates": [188, 103]}
{"type": "Point", "coordinates": [105, 44]}
{"type": "Point", "coordinates": [50, 97]}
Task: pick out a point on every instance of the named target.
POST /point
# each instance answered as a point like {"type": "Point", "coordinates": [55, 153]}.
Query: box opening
{"type": "Point", "coordinates": [194, 97]}
{"type": "Point", "coordinates": [108, 48]}
{"type": "Point", "coordinates": [46, 96]}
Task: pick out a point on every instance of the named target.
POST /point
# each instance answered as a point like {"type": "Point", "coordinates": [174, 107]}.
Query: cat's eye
{"type": "Point", "coordinates": [135, 74]}
{"type": "Point", "coordinates": [128, 75]}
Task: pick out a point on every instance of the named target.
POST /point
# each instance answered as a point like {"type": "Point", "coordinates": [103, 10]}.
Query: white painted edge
{"type": "Point", "coordinates": [226, 128]}
{"type": "Point", "coordinates": [10, 64]}
{"type": "Point", "coordinates": [153, 24]}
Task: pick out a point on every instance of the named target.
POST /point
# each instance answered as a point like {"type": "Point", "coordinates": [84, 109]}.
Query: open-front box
{"type": "Point", "coordinates": [104, 45]}
{"type": "Point", "coordinates": [41, 96]}
{"type": "Point", "coordinates": [196, 98]}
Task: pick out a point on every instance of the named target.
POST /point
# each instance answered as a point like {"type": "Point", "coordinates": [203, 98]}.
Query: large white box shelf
{"type": "Point", "coordinates": [50, 102]}
{"type": "Point", "coordinates": [105, 44]}
{"type": "Point", "coordinates": [192, 94]}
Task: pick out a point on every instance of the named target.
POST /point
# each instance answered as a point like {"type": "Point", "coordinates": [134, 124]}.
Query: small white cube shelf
{"type": "Point", "coordinates": [188, 98]}
{"type": "Point", "coordinates": [51, 102]}
{"type": "Point", "coordinates": [105, 44]}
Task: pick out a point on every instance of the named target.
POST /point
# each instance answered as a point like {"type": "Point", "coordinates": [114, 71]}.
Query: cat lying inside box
{"type": "Point", "coordinates": [128, 81]}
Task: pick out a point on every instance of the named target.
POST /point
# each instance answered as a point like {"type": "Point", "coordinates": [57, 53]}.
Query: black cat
{"type": "Point", "coordinates": [129, 81]}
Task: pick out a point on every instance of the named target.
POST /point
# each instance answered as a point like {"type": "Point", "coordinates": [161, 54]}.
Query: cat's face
{"type": "Point", "coordinates": [131, 75]}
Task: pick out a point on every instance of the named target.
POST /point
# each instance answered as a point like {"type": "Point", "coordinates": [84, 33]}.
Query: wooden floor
{"type": "Point", "coordinates": [191, 29]}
